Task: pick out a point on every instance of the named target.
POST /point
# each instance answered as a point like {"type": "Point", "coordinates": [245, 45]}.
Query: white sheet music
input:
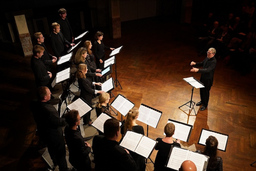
{"type": "Point", "coordinates": [138, 143]}
{"type": "Point", "coordinates": [81, 106]}
{"type": "Point", "coordinates": [81, 35]}
{"type": "Point", "coordinates": [106, 70]}
{"type": "Point", "coordinates": [122, 105]}
{"type": "Point", "coordinates": [63, 75]}
{"type": "Point", "coordinates": [99, 122]}
{"type": "Point", "coordinates": [109, 61]}
{"type": "Point", "coordinates": [115, 51]}
{"type": "Point", "coordinates": [222, 139]}
{"type": "Point", "coordinates": [73, 47]}
{"type": "Point", "coordinates": [149, 116]}
{"type": "Point", "coordinates": [182, 131]}
{"type": "Point", "coordinates": [107, 85]}
{"type": "Point", "coordinates": [65, 58]}
{"type": "Point", "coordinates": [178, 155]}
{"type": "Point", "coordinates": [193, 82]}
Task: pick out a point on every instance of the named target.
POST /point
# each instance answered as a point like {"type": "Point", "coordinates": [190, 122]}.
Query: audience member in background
{"type": "Point", "coordinates": [164, 146]}
{"type": "Point", "coordinates": [188, 165]}
{"type": "Point", "coordinates": [108, 155]}
{"type": "Point", "coordinates": [42, 75]}
{"type": "Point", "coordinates": [215, 162]}
{"type": "Point", "coordinates": [78, 149]}
{"type": "Point", "coordinates": [81, 57]}
{"type": "Point", "coordinates": [87, 92]}
{"type": "Point", "coordinates": [58, 42]}
{"type": "Point", "coordinates": [103, 104]}
{"type": "Point", "coordinates": [47, 58]}
{"type": "Point", "coordinates": [131, 125]}
{"type": "Point", "coordinates": [66, 29]}
{"type": "Point", "coordinates": [222, 42]}
{"type": "Point", "coordinates": [99, 49]}
{"type": "Point", "coordinates": [49, 127]}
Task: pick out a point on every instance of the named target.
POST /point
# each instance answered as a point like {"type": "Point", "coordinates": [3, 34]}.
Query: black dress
{"type": "Point", "coordinates": [78, 151]}
{"type": "Point", "coordinates": [87, 93]}
{"type": "Point", "coordinates": [99, 53]}
{"type": "Point", "coordinates": [162, 154]}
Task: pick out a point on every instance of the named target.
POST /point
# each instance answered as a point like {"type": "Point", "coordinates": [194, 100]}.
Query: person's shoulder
{"type": "Point", "coordinates": [159, 140]}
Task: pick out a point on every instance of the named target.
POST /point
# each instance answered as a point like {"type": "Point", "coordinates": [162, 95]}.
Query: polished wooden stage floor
{"type": "Point", "coordinates": [150, 68]}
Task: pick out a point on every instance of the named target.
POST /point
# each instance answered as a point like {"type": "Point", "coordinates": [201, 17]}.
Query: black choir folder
{"type": "Point", "coordinates": [179, 155]}
{"type": "Point", "coordinates": [138, 143]}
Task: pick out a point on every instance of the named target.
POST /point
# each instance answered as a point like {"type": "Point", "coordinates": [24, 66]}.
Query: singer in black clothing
{"type": "Point", "coordinates": [98, 49]}
{"type": "Point", "coordinates": [65, 26]}
{"type": "Point", "coordinates": [42, 76]}
{"type": "Point", "coordinates": [78, 149]}
{"type": "Point", "coordinates": [49, 127]}
{"type": "Point", "coordinates": [207, 73]}
{"type": "Point", "coordinates": [58, 41]}
{"type": "Point", "coordinates": [108, 154]}
{"type": "Point", "coordinates": [47, 58]}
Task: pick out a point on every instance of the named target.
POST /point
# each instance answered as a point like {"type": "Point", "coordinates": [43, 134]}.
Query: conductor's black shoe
{"type": "Point", "coordinates": [202, 108]}
{"type": "Point", "coordinates": [199, 103]}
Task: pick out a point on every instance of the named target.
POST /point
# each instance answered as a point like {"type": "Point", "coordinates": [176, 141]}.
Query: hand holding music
{"type": "Point", "coordinates": [111, 48]}
{"type": "Point", "coordinates": [98, 74]}
{"type": "Point", "coordinates": [54, 59]}
{"type": "Point", "coordinates": [101, 61]}
{"type": "Point", "coordinates": [50, 74]}
{"type": "Point", "coordinates": [99, 84]}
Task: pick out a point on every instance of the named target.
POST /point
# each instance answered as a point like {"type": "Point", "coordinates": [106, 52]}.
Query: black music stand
{"type": "Point", "coordinates": [195, 84]}
{"type": "Point", "coordinates": [114, 52]}
{"type": "Point", "coordinates": [252, 163]}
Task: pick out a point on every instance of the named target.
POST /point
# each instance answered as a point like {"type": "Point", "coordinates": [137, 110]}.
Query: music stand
{"type": "Point", "coordinates": [195, 84]}
{"type": "Point", "coordinates": [114, 52]}
{"type": "Point", "coordinates": [149, 116]}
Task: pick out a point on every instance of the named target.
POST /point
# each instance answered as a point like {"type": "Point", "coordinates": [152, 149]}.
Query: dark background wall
{"type": "Point", "coordinates": [94, 14]}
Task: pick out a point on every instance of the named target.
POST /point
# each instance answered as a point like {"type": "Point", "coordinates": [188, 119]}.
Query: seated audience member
{"type": "Point", "coordinates": [42, 75]}
{"type": "Point", "coordinates": [131, 125]}
{"type": "Point", "coordinates": [78, 149]}
{"type": "Point", "coordinates": [188, 165]}
{"type": "Point", "coordinates": [87, 92]}
{"type": "Point", "coordinates": [103, 104]}
{"type": "Point", "coordinates": [215, 162]}
{"type": "Point", "coordinates": [49, 127]}
{"type": "Point", "coordinates": [108, 155]}
{"type": "Point", "coordinates": [164, 146]}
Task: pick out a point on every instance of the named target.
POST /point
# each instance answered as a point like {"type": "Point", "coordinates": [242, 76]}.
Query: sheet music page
{"type": "Point", "coordinates": [148, 116]}
{"type": "Point", "coordinates": [192, 81]}
{"type": "Point", "coordinates": [63, 75]}
{"type": "Point", "coordinates": [107, 85]}
{"type": "Point", "coordinates": [222, 139]}
{"type": "Point", "coordinates": [81, 35]}
{"type": "Point", "coordinates": [131, 140]}
{"type": "Point", "coordinates": [198, 159]}
{"type": "Point", "coordinates": [177, 156]}
{"type": "Point", "coordinates": [99, 122]}
{"type": "Point", "coordinates": [145, 146]}
{"type": "Point", "coordinates": [115, 51]}
{"type": "Point", "coordinates": [105, 71]}
{"type": "Point", "coordinates": [65, 58]}
{"type": "Point", "coordinates": [81, 106]}
{"type": "Point", "coordinates": [73, 47]}
{"type": "Point", "coordinates": [109, 61]}
{"type": "Point", "coordinates": [122, 105]}
{"type": "Point", "coordinates": [182, 131]}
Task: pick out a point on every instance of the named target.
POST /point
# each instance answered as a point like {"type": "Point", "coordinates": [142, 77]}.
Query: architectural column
{"type": "Point", "coordinates": [115, 18]}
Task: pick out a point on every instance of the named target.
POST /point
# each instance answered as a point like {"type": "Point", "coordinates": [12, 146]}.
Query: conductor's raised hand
{"type": "Point", "coordinates": [192, 63]}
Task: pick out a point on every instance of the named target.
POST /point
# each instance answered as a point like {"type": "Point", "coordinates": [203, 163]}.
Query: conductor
{"type": "Point", "coordinates": [207, 73]}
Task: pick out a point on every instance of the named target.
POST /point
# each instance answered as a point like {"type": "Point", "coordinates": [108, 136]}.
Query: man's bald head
{"type": "Point", "coordinates": [188, 165]}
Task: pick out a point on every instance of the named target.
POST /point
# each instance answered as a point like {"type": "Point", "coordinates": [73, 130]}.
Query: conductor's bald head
{"type": "Point", "coordinates": [188, 165]}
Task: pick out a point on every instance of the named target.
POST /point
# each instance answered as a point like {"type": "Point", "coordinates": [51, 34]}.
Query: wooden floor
{"type": "Point", "coordinates": [150, 68]}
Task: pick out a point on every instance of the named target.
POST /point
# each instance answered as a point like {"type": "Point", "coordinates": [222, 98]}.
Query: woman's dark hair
{"type": "Point", "coordinates": [98, 34]}
{"type": "Point", "coordinates": [211, 150]}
